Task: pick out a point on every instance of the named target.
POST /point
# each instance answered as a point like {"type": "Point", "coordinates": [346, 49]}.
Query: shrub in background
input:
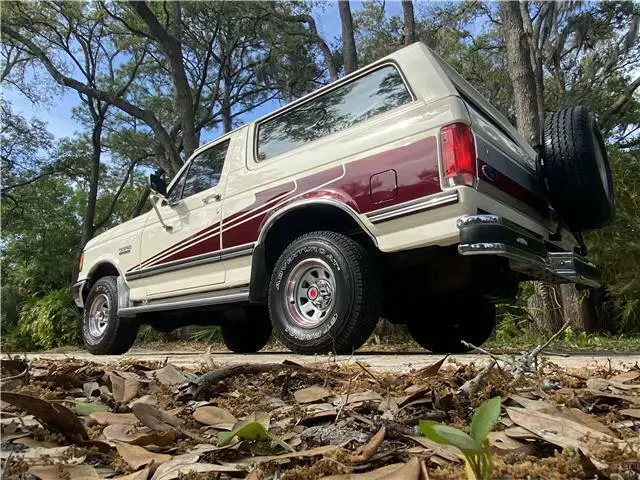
{"type": "Point", "coordinates": [46, 322]}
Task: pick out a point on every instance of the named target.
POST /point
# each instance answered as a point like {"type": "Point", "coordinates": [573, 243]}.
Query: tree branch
{"type": "Point", "coordinates": [144, 115]}
{"type": "Point", "coordinates": [620, 102]}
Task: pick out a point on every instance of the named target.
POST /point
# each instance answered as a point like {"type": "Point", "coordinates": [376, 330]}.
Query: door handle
{"type": "Point", "coordinates": [216, 197]}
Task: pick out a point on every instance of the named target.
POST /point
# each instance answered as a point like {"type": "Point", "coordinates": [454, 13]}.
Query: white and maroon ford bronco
{"type": "Point", "coordinates": [397, 191]}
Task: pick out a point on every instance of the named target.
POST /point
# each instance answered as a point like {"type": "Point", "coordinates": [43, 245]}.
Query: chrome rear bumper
{"type": "Point", "coordinates": [527, 252]}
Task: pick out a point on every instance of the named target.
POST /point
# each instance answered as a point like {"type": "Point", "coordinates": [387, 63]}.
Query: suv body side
{"type": "Point", "coordinates": [385, 172]}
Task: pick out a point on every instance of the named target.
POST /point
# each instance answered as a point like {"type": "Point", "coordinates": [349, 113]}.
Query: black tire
{"type": "Point", "coordinates": [246, 330]}
{"type": "Point", "coordinates": [353, 309]}
{"type": "Point", "coordinates": [118, 334]}
{"type": "Point", "coordinates": [452, 319]}
{"type": "Point", "coordinates": [576, 169]}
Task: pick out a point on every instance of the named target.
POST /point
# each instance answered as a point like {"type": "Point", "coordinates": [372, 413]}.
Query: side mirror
{"type": "Point", "coordinates": [158, 185]}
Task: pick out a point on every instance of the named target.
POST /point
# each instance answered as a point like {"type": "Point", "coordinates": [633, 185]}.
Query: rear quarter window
{"type": "Point", "coordinates": [373, 93]}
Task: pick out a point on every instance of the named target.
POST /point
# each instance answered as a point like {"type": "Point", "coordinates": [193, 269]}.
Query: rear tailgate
{"type": "Point", "coordinates": [506, 162]}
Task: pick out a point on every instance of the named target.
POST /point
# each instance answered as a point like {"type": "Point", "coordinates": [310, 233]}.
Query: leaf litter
{"type": "Point", "coordinates": [150, 421]}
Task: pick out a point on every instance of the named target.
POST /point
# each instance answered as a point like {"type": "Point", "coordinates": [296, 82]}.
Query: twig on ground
{"type": "Point", "coordinates": [473, 383]}
{"type": "Point", "coordinates": [482, 350]}
{"type": "Point", "coordinates": [346, 400]}
{"type": "Point", "coordinates": [528, 361]}
{"type": "Point", "coordinates": [15, 377]}
{"type": "Point", "coordinates": [6, 464]}
{"type": "Point", "coordinates": [368, 372]}
{"type": "Point", "coordinates": [193, 389]}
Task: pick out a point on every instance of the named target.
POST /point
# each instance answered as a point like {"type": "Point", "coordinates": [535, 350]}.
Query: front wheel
{"type": "Point", "coordinates": [325, 294]}
{"type": "Point", "coordinates": [103, 332]}
{"type": "Point", "coordinates": [450, 320]}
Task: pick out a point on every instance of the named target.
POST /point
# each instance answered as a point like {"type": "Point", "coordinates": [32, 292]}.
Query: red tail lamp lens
{"type": "Point", "coordinates": [458, 154]}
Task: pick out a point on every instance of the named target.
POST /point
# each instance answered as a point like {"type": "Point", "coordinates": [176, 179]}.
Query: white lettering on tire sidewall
{"type": "Point", "coordinates": [322, 330]}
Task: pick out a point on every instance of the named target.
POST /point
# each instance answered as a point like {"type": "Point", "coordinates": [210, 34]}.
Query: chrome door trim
{"type": "Point", "coordinates": [413, 206]}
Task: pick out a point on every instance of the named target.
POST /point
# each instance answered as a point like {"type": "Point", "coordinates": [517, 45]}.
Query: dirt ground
{"type": "Point", "coordinates": [388, 362]}
{"type": "Point", "coordinates": [155, 414]}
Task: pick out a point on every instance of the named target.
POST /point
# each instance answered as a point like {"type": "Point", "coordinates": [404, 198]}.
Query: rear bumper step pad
{"type": "Point", "coordinates": [526, 251]}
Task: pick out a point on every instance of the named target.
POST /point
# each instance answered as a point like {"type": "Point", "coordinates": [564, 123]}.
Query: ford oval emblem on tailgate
{"type": "Point", "coordinates": [489, 172]}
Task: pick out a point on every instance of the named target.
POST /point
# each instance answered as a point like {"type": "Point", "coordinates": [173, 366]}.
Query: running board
{"type": "Point", "coordinates": [233, 295]}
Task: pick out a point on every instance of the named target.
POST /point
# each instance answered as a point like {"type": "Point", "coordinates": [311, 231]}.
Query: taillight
{"type": "Point", "coordinates": [458, 154]}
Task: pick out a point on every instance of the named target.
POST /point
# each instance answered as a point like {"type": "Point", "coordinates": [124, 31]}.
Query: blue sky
{"type": "Point", "coordinates": [57, 111]}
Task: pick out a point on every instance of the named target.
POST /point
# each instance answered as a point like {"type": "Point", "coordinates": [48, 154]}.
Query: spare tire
{"type": "Point", "coordinates": [576, 169]}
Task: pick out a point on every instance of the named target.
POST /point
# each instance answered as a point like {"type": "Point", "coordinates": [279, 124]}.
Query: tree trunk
{"type": "Point", "coordinates": [94, 178]}
{"type": "Point", "coordinates": [545, 307]}
{"type": "Point", "coordinates": [172, 50]}
{"type": "Point", "coordinates": [546, 304]}
{"type": "Point", "coordinates": [521, 72]}
{"type": "Point", "coordinates": [536, 61]}
{"type": "Point", "coordinates": [409, 22]}
{"type": "Point", "coordinates": [348, 40]}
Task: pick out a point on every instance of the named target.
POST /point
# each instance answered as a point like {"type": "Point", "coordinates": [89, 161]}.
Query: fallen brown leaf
{"type": "Point", "coordinates": [503, 444]}
{"type": "Point", "coordinates": [67, 472]}
{"type": "Point", "coordinates": [123, 389]}
{"type": "Point", "coordinates": [366, 396]}
{"type": "Point", "coordinates": [630, 412]}
{"type": "Point", "coordinates": [211, 415]}
{"type": "Point", "coordinates": [169, 376]}
{"type": "Point", "coordinates": [137, 436]}
{"type": "Point", "coordinates": [447, 452]}
{"type": "Point", "coordinates": [31, 455]}
{"type": "Point", "coordinates": [155, 419]}
{"type": "Point", "coordinates": [137, 456]}
{"type": "Point", "coordinates": [55, 416]}
{"type": "Point", "coordinates": [433, 369]}
{"type": "Point", "coordinates": [311, 394]}
{"type": "Point", "coordinates": [557, 430]}
{"type": "Point", "coordinates": [312, 452]}
{"type": "Point", "coordinates": [110, 418]}
{"type": "Point", "coordinates": [629, 376]}
{"type": "Point", "coordinates": [185, 464]}
{"type": "Point", "coordinates": [141, 475]}
{"type": "Point", "coordinates": [32, 443]}
{"type": "Point", "coordinates": [398, 471]}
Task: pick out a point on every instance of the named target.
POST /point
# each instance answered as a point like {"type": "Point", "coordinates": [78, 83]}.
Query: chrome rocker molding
{"type": "Point", "coordinates": [196, 261]}
{"type": "Point", "coordinates": [526, 253]}
{"type": "Point", "coordinates": [232, 295]}
{"type": "Point", "coordinates": [414, 206]}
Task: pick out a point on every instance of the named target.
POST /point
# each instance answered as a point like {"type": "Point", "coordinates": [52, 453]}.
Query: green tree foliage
{"type": "Point", "coordinates": [617, 247]}
{"type": "Point", "coordinates": [47, 322]}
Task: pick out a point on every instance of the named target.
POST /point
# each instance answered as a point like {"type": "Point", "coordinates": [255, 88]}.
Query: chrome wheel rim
{"type": "Point", "coordinates": [310, 293]}
{"type": "Point", "coordinates": [98, 316]}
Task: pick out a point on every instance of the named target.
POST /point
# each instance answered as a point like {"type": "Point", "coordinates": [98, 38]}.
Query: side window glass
{"type": "Point", "coordinates": [205, 170]}
{"type": "Point", "coordinates": [354, 102]}
{"type": "Point", "coordinates": [175, 193]}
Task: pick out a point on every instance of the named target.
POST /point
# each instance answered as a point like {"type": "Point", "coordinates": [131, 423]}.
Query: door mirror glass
{"type": "Point", "coordinates": [158, 185]}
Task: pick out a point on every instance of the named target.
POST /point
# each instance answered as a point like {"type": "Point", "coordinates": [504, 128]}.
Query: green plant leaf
{"type": "Point", "coordinates": [253, 431]}
{"type": "Point", "coordinates": [82, 408]}
{"type": "Point", "coordinates": [446, 435]}
{"type": "Point", "coordinates": [484, 418]}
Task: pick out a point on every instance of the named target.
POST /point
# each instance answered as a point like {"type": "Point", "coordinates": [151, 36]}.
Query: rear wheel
{"type": "Point", "coordinates": [451, 319]}
{"type": "Point", "coordinates": [246, 330]}
{"type": "Point", "coordinates": [103, 332]}
{"type": "Point", "coordinates": [325, 294]}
